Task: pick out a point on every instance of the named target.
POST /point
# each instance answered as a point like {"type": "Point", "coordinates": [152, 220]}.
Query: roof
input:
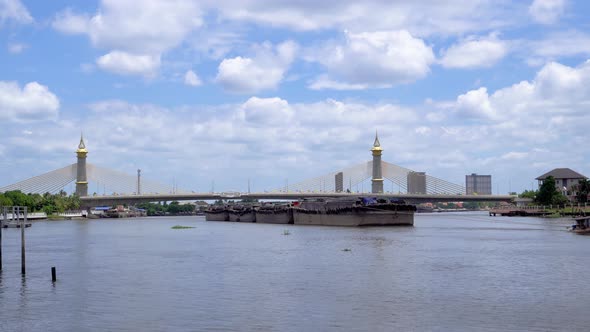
{"type": "Point", "coordinates": [562, 173]}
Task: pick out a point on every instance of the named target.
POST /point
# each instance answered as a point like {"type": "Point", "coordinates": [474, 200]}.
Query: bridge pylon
{"type": "Point", "coordinates": [81, 179]}
{"type": "Point", "coordinates": [377, 179]}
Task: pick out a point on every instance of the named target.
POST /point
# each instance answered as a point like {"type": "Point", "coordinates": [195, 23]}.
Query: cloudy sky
{"type": "Point", "coordinates": [229, 90]}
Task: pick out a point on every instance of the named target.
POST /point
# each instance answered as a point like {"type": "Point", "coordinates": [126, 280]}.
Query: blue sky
{"type": "Point", "coordinates": [267, 90]}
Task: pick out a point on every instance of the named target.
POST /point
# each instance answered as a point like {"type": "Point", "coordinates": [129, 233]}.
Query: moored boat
{"type": "Point", "coordinates": [274, 214]}
{"type": "Point", "coordinates": [216, 213]}
{"type": "Point", "coordinates": [582, 225]}
{"type": "Point", "coordinates": [242, 213]}
{"type": "Point", "coordinates": [353, 212]}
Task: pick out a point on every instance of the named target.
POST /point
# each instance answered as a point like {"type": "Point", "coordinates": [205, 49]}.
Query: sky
{"type": "Point", "coordinates": [222, 93]}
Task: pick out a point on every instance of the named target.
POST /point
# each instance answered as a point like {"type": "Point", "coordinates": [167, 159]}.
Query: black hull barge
{"type": "Point", "coordinates": [359, 212]}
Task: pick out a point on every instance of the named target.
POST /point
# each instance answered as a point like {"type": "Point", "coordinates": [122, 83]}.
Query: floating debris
{"type": "Point", "coordinates": [181, 227]}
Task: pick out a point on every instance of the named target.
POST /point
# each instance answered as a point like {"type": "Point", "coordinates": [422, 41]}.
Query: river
{"type": "Point", "coordinates": [450, 272]}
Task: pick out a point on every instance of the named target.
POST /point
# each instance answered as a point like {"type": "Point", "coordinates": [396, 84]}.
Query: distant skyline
{"type": "Point", "coordinates": [268, 91]}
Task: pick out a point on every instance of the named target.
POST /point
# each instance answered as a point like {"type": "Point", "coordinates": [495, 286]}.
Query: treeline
{"type": "Point", "coordinates": [48, 203]}
{"type": "Point", "coordinates": [160, 209]}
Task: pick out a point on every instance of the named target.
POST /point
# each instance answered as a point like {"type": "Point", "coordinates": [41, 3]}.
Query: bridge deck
{"type": "Point", "coordinates": [90, 201]}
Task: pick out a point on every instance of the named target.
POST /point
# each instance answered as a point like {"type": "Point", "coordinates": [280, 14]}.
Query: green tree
{"type": "Point", "coordinates": [548, 194]}
{"type": "Point", "coordinates": [528, 194]}
{"type": "Point", "coordinates": [5, 201]}
{"type": "Point", "coordinates": [583, 189]}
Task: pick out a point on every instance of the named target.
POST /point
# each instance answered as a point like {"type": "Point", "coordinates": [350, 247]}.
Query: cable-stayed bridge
{"type": "Point", "coordinates": [128, 189]}
{"type": "Point", "coordinates": [353, 177]}
{"type": "Point", "coordinates": [115, 181]}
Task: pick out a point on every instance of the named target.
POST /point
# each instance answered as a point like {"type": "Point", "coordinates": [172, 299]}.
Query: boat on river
{"type": "Point", "coordinates": [217, 213]}
{"type": "Point", "coordinates": [582, 225]}
{"type": "Point", "coordinates": [242, 213]}
{"type": "Point", "coordinates": [274, 214]}
{"type": "Point", "coordinates": [362, 211]}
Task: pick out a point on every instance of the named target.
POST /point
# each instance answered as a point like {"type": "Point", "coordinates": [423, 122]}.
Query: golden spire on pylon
{"type": "Point", "coordinates": [81, 147]}
{"type": "Point", "coordinates": [376, 145]}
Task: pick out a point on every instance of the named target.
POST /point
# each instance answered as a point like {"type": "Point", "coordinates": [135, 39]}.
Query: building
{"type": "Point", "coordinates": [565, 179]}
{"type": "Point", "coordinates": [339, 182]}
{"type": "Point", "coordinates": [416, 183]}
{"type": "Point", "coordinates": [478, 184]}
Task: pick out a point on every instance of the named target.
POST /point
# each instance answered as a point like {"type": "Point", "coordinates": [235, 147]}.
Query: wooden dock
{"type": "Point", "coordinates": [525, 211]}
{"type": "Point", "coordinates": [13, 224]}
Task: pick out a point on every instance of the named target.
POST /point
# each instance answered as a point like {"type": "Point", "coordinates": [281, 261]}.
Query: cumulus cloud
{"type": "Point", "coordinates": [476, 103]}
{"type": "Point", "coordinates": [190, 78]}
{"type": "Point", "coordinates": [474, 52]}
{"type": "Point", "coordinates": [264, 71]}
{"type": "Point", "coordinates": [547, 11]}
{"type": "Point", "coordinates": [153, 27]}
{"type": "Point", "coordinates": [557, 89]}
{"type": "Point", "coordinates": [69, 22]}
{"type": "Point", "coordinates": [374, 59]}
{"type": "Point", "coordinates": [14, 10]}
{"type": "Point", "coordinates": [429, 17]}
{"type": "Point", "coordinates": [516, 132]}
{"type": "Point", "coordinates": [556, 45]}
{"type": "Point", "coordinates": [124, 63]}
{"type": "Point", "coordinates": [34, 102]}
{"type": "Point", "coordinates": [133, 33]}
{"type": "Point", "coordinates": [16, 48]}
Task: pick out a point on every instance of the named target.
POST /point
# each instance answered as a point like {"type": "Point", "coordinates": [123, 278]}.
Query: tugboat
{"type": "Point", "coordinates": [364, 211]}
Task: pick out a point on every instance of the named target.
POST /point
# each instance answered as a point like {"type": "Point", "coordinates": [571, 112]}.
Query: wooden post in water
{"type": "Point", "coordinates": [22, 241]}
{"type": "Point", "coordinates": [53, 274]}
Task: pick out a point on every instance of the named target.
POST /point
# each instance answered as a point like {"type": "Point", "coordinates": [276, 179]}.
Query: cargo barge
{"type": "Point", "coordinates": [358, 212]}
{"type": "Point", "coordinates": [362, 211]}
{"type": "Point", "coordinates": [274, 214]}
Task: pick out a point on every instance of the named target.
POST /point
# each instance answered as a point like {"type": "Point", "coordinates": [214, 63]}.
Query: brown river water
{"type": "Point", "coordinates": [450, 272]}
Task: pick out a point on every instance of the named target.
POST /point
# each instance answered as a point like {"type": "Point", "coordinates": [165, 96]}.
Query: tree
{"type": "Point", "coordinates": [528, 194]}
{"type": "Point", "coordinates": [548, 194]}
{"type": "Point", "coordinates": [583, 189]}
{"type": "Point", "coordinates": [5, 201]}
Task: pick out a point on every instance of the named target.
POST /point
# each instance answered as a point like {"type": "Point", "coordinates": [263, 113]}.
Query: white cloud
{"type": "Point", "coordinates": [190, 78]}
{"type": "Point", "coordinates": [556, 90]}
{"type": "Point", "coordinates": [427, 17]}
{"type": "Point", "coordinates": [374, 59]}
{"type": "Point", "coordinates": [136, 35]}
{"type": "Point", "coordinates": [129, 64]}
{"type": "Point", "coordinates": [474, 52]}
{"type": "Point", "coordinates": [558, 44]}
{"type": "Point", "coordinates": [547, 11]}
{"type": "Point", "coordinates": [324, 82]}
{"type": "Point", "coordinates": [16, 48]}
{"type": "Point", "coordinates": [267, 111]}
{"type": "Point", "coordinates": [68, 22]}
{"type": "Point", "coordinates": [34, 102]}
{"type": "Point", "coordinates": [153, 27]}
{"type": "Point", "coordinates": [476, 103]}
{"type": "Point", "coordinates": [264, 71]}
{"type": "Point", "coordinates": [14, 10]}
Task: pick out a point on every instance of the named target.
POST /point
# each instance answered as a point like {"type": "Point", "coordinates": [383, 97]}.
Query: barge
{"type": "Point", "coordinates": [274, 214]}
{"type": "Point", "coordinates": [217, 213]}
{"type": "Point", "coordinates": [242, 213]}
{"type": "Point", "coordinates": [354, 212]}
